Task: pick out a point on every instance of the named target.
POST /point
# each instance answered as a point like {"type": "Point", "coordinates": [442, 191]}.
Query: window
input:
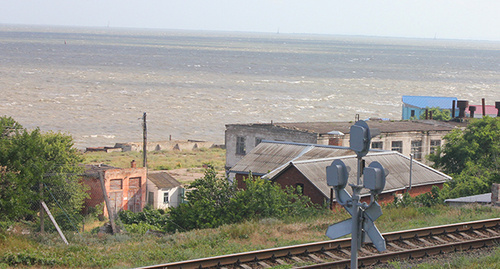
{"type": "Point", "coordinates": [151, 198]}
{"type": "Point", "coordinates": [116, 184]}
{"type": "Point", "coordinates": [258, 140]}
{"type": "Point", "coordinates": [165, 197]}
{"type": "Point", "coordinates": [412, 113]}
{"type": "Point", "coordinates": [378, 145]}
{"type": "Point", "coordinates": [416, 149]}
{"type": "Point", "coordinates": [434, 145]}
{"type": "Point", "coordinates": [397, 146]}
{"type": "Point", "coordinates": [240, 145]}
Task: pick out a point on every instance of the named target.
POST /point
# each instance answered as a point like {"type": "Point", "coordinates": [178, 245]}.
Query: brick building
{"type": "Point", "coordinates": [125, 187]}
{"type": "Point", "coordinates": [292, 164]}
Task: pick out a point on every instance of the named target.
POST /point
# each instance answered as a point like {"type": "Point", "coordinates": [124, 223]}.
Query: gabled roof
{"type": "Point", "coordinates": [395, 163]}
{"type": "Point", "coordinates": [163, 180]}
{"type": "Point", "coordinates": [269, 155]}
{"type": "Point", "coordinates": [429, 101]}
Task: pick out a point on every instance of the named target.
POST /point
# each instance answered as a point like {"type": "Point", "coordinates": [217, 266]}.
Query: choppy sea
{"type": "Point", "coordinates": [95, 84]}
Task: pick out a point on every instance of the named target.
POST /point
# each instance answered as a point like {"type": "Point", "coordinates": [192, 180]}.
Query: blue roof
{"type": "Point", "coordinates": [429, 101]}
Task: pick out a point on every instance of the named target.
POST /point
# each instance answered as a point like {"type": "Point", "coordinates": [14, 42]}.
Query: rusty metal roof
{"type": "Point", "coordinates": [269, 155]}
{"type": "Point", "coordinates": [163, 180]}
{"type": "Point", "coordinates": [395, 163]}
{"type": "Point", "coordinates": [385, 126]}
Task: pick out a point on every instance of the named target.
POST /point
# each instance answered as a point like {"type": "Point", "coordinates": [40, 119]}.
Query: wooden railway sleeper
{"type": "Point", "coordinates": [395, 246]}
{"type": "Point", "coordinates": [425, 242]}
{"type": "Point", "coordinates": [479, 233]}
{"type": "Point", "coordinates": [410, 244]}
{"type": "Point", "coordinates": [466, 236]}
{"type": "Point", "coordinates": [331, 255]}
{"type": "Point", "coordinates": [264, 265]}
{"type": "Point", "coordinates": [315, 258]}
{"type": "Point", "coordinates": [492, 232]}
{"type": "Point", "coordinates": [439, 239]}
{"type": "Point", "coordinates": [454, 238]}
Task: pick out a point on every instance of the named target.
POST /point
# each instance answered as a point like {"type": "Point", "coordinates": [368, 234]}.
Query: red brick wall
{"type": "Point", "coordinates": [292, 177]}
{"type": "Point", "coordinates": [95, 191]}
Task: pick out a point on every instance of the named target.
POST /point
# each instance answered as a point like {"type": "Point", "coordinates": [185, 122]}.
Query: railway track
{"type": "Point", "coordinates": [401, 245]}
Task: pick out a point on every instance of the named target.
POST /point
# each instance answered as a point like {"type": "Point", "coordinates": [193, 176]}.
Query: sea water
{"type": "Point", "coordinates": [95, 84]}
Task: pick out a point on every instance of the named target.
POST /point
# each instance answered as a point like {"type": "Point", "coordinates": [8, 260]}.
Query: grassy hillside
{"type": "Point", "coordinates": [129, 250]}
{"type": "Point", "coordinates": [161, 160]}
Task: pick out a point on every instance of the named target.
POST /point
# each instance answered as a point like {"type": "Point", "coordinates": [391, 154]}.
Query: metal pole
{"type": "Point", "coordinates": [55, 223]}
{"type": "Point", "coordinates": [145, 155]}
{"type": "Point", "coordinates": [145, 141]}
{"type": "Point", "coordinates": [355, 233]}
{"type": "Point", "coordinates": [355, 227]}
{"type": "Point", "coordinates": [411, 169]}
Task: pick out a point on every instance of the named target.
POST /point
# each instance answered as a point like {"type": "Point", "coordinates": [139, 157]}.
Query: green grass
{"type": "Point", "coordinates": [129, 250]}
{"type": "Point", "coordinates": [161, 160]}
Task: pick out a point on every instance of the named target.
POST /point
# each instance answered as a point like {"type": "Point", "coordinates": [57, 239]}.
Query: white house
{"type": "Point", "coordinates": [164, 190]}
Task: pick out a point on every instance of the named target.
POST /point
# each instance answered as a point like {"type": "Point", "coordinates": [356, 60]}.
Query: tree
{"type": "Point", "coordinates": [215, 201]}
{"type": "Point", "coordinates": [32, 159]}
{"type": "Point", "coordinates": [471, 157]}
{"type": "Point", "coordinates": [207, 203]}
{"type": "Point", "coordinates": [437, 114]}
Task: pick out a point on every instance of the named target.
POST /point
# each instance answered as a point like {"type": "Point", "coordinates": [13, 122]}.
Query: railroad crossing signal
{"type": "Point", "coordinates": [361, 224]}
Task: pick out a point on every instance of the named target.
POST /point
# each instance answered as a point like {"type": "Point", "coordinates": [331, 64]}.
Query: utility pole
{"type": "Point", "coordinates": [144, 152]}
{"type": "Point", "coordinates": [145, 141]}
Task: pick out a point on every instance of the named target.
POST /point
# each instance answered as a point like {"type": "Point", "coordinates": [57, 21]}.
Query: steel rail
{"type": "Point", "coordinates": [288, 251]}
{"type": "Point", "coordinates": [410, 254]}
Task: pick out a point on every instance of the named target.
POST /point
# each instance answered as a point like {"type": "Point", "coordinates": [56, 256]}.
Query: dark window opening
{"type": "Point", "coordinates": [377, 145]}
{"type": "Point", "coordinates": [397, 146]}
{"type": "Point", "coordinates": [240, 145]}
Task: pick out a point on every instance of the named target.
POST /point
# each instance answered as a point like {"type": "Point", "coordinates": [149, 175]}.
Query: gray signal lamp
{"type": "Point", "coordinates": [360, 138]}
{"type": "Point", "coordinates": [374, 177]}
{"type": "Point", "coordinates": [337, 174]}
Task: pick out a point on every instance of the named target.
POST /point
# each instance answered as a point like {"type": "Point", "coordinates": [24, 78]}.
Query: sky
{"type": "Point", "coordinates": [442, 19]}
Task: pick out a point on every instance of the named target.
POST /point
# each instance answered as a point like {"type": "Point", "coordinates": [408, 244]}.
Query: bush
{"type": "Point", "coordinates": [215, 201]}
{"type": "Point", "coordinates": [149, 218]}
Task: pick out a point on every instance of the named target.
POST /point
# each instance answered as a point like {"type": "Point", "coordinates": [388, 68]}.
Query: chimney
{"type": "Point", "coordinates": [462, 105]}
{"type": "Point", "coordinates": [484, 107]}
{"type": "Point", "coordinates": [497, 106]}
{"type": "Point", "coordinates": [133, 164]}
{"type": "Point", "coordinates": [472, 109]}
{"type": "Point", "coordinates": [453, 109]}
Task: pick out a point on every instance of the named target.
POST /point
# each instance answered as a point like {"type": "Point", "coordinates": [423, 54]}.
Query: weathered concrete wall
{"type": "Point", "coordinates": [180, 145]}
{"type": "Point", "coordinates": [406, 138]}
{"type": "Point", "coordinates": [254, 132]}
